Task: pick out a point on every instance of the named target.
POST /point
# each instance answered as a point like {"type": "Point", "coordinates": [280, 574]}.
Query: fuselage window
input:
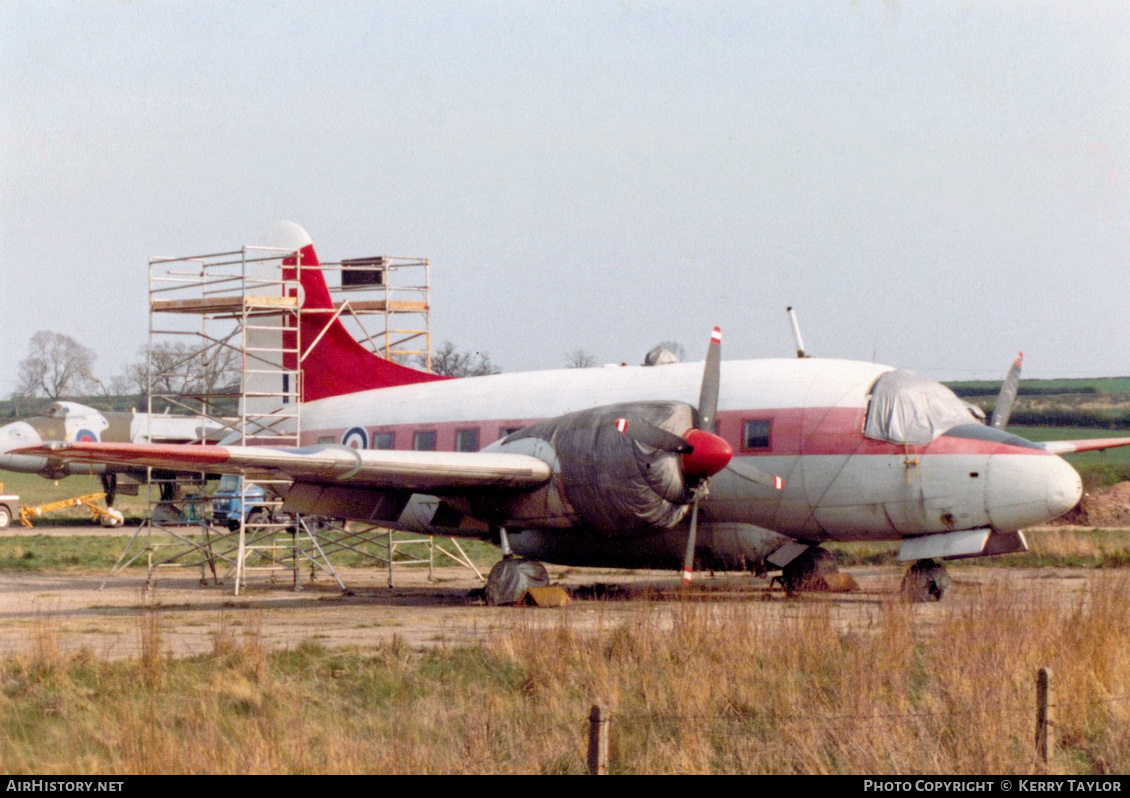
{"type": "Point", "coordinates": [467, 440]}
{"type": "Point", "coordinates": [755, 434]}
{"type": "Point", "coordinates": [384, 440]}
{"type": "Point", "coordinates": [424, 441]}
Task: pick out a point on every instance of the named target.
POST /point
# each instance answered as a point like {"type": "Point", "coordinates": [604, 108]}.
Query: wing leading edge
{"type": "Point", "coordinates": [1083, 445]}
{"type": "Point", "coordinates": [438, 473]}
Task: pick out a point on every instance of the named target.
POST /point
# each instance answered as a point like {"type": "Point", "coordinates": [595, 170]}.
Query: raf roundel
{"type": "Point", "coordinates": [84, 435]}
{"type": "Point", "coordinates": [356, 438]}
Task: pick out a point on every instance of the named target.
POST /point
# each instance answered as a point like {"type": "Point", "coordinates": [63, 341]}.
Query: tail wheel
{"type": "Point", "coordinates": [5, 517]}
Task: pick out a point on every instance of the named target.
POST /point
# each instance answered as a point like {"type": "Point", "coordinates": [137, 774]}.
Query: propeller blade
{"type": "Point", "coordinates": [710, 453]}
{"type": "Point", "coordinates": [708, 396]}
{"type": "Point", "coordinates": [688, 559]}
{"type": "Point", "coordinates": [752, 473]}
{"type": "Point", "coordinates": [653, 436]}
{"type": "Point", "coordinates": [1003, 408]}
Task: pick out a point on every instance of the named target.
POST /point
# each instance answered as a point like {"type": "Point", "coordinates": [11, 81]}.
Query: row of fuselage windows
{"type": "Point", "coordinates": [756, 436]}
{"type": "Point", "coordinates": [466, 440]}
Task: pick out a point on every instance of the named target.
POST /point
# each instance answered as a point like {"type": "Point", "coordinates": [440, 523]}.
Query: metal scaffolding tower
{"type": "Point", "coordinates": [225, 349]}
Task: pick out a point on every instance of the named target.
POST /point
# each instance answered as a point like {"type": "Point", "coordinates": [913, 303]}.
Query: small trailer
{"type": "Point", "coordinates": [9, 507]}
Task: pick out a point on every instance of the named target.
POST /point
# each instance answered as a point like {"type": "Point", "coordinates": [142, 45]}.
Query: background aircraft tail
{"type": "Point", "coordinates": [334, 363]}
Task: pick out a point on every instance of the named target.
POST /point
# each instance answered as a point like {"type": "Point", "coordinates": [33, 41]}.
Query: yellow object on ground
{"type": "Point", "coordinates": [553, 596]}
{"type": "Point", "coordinates": [106, 517]}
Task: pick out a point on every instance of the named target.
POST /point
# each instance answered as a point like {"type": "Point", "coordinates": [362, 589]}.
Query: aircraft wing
{"type": "Point", "coordinates": [436, 473]}
{"type": "Point", "coordinates": [1083, 445]}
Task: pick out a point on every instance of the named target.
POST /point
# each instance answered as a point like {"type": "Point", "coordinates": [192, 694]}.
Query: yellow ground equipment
{"type": "Point", "coordinates": [107, 517]}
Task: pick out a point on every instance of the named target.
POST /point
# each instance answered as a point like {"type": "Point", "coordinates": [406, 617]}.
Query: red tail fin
{"type": "Point", "coordinates": [333, 362]}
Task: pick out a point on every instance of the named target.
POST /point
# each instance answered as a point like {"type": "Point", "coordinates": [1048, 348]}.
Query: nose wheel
{"type": "Point", "coordinates": [926, 580]}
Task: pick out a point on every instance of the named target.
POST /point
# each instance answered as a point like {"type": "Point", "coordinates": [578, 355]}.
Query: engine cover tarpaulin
{"type": "Point", "coordinates": [614, 484]}
{"type": "Point", "coordinates": [910, 409]}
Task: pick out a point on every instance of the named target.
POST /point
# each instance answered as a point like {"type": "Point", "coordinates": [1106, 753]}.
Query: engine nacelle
{"type": "Point", "coordinates": [602, 479]}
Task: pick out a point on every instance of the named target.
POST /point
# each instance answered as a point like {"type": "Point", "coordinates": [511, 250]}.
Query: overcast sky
{"type": "Point", "coordinates": [933, 185]}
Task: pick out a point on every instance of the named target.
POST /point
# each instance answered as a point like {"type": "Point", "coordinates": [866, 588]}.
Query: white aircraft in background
{"type": "Point", "coordinates": [71, 421]}
{"type": "Point", "coordinates": [610, 466]}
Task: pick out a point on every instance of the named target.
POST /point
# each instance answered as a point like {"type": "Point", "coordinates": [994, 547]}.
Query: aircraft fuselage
{"type": "Point", "coordinates": [802, 419]}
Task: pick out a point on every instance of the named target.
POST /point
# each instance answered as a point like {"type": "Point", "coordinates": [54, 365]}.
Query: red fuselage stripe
{"type": "Point", "coordinates": [793, 432]}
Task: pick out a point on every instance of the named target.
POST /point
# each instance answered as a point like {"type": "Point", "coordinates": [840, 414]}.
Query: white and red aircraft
{"type": "Point", "coordinates": [609, 466]}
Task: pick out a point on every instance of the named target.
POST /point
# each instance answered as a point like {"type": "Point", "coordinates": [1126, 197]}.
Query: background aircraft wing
{"type": "Point", "coordinates": [1083, 445]}
{"type": "Point", "coordinates": [438, 473]}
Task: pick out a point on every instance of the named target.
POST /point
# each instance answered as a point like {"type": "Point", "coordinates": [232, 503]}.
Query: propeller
{"type": "Point", "coordinates": [1003, 408]}
{"type": "Point", "coordinates": [702, 452]}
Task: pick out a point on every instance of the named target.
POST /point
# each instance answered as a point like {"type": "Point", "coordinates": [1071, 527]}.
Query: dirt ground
{"type": "Point", "coordinates": [1106, 507]}
{"type": "Point", "coordinates": [73, 611]}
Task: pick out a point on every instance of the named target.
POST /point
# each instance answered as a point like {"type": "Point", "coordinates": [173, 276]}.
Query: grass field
{"type": "Point", "coordinates": [1107, 385]}
{"type": "Point", "coordinates": [1111, 457]}
{"type": "Point", "coordinates": [695, 688]}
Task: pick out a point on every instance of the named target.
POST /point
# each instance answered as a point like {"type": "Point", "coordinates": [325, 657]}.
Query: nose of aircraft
{"type": "Point", "coordinates": [1030, 489]}
{"type": "Point", "coordinates": [1065, 488]}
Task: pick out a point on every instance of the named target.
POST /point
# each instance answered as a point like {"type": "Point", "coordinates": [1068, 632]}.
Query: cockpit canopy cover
{"type": "Point", "coordinates": [909, 409]}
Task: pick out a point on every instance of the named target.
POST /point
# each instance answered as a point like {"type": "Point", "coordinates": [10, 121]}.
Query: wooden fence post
{"type": "Point", "coordinates": [1045, 733]}
{"type": "Point", "coordinates": [598, 743]}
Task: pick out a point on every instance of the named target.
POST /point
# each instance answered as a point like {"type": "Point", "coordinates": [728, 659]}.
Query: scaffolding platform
{"type": "Point", "coordinates": [225, 347]}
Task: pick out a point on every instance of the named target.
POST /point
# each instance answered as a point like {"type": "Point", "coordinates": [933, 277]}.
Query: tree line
{"type": "Point", "coordinates": [59, 367]}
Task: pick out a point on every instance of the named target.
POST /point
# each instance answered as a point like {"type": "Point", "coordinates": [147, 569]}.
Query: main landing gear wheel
{"type": "Point", "coordinates": [926, 580]}
{"type": "Point", "coordinates": [511, 577]}
{"type": "Point", "coordinates": [807, 572]}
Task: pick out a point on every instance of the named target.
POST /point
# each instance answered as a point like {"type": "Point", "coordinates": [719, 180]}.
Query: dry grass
{"type": "Point", "coordinates": [692, 688]}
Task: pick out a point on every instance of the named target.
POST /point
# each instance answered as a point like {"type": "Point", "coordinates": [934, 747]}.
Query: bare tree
{"type": "Point", "coordinates": [450, 362]}
{"type": "Point", "coordinates": [579, 359]}
{"type": "Point", "coordinates": [56, 365]}
{"type": "Point", "coordinates": [179, 369]}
